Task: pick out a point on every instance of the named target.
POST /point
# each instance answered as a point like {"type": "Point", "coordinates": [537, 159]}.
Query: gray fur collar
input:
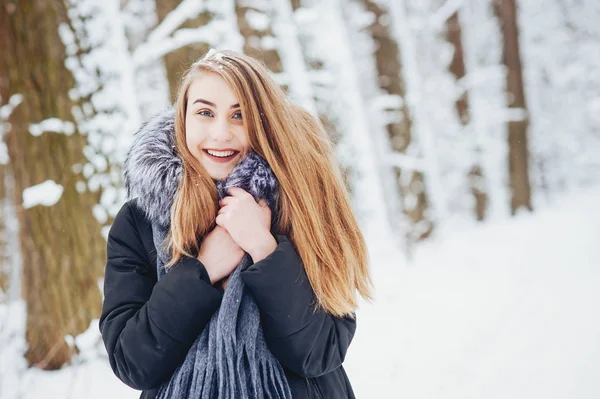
{"type": "Point", "coordinates": [153, 170]}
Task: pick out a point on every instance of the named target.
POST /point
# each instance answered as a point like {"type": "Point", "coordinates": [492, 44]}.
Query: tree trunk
{"type": "Point", "coordinates": [177, 62]}
{"type": "Point", "coordinates": [389, 68]}
{"type": "Point", "coordinates": [63, 252]}
{"type": "Point", "coordinates": [457, 68]}
{"type": "Point", "coordinates": [420, 108]}
{"type": "Point", "coordinates": [4, 249]}
{"type": "Point", "coordinates": [457, 65]}
{"type": "Point", "coordinates": [253, 39]}
{"type": "Point", "coordinates": [506, 10]}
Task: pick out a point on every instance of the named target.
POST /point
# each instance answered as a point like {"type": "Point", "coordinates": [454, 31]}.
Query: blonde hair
{"type": "Point", "coordinates": [314, 209]}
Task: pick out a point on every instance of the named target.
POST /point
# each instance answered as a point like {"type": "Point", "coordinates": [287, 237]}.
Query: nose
{"type": "Point", "coordinates": [221, 131]}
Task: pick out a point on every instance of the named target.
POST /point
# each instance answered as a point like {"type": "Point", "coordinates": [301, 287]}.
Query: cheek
{"type": "Point", "coordinates": [192, 137]}
{"type": "Point", "coordinates": [242, 137]}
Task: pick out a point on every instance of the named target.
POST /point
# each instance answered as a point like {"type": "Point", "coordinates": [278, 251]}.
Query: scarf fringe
{"type": "Point", "coordinates": [230, 359]}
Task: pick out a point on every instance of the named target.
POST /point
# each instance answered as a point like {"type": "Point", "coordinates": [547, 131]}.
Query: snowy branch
{"type": "Point", "coordinates": [404, 162]}
{"type": "Point", "coordinates": [52, 125]}
{"type": "Point", "coordinates": [291, 55]}
{"type": "Point", "coordinates": [484, 82]}
{"type": "Point", "coordinates": [387, 102]}
{"type": "Point", "coordinates": [5, 112]}
{"type": "Point", "coordinates": [187, 9]}
{"type": "Point", "coordinates": [230, 38]}
{"type": "Point", "coordinates": [321, 77]}
{"type": "Point", "coordinates": [423, 128]}
{"type": "Point", "coordinates": [481, 76]}
{"type": "Point", "coordinates": [509, 115]}
{"type": "Point", "coordinates": [47, 193]}
{"type": "Point", "coordinates": [281, 78]}
{"type": "Point", "coordinates": [256, 4]}
{"type": "Point", "coordinates": [439, 18]}
{"type": "Point", "coordinates": [8, 108]}
{"type": "Point", "coordinates": [153, 50]}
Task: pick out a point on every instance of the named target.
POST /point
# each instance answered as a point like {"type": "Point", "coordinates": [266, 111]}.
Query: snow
{"type": "Point", "coordinates": [289, 48]}
{"type": "Point", "coordinates": [225, 12]}
{"type": "Point", "coordinates": [7, 109]}
{"type": "Point", "coordinates": [357, 146]}
{"type": "Point", "coordinates": [12, 345]}
{"type": "Point", "coordinates": [487, 106]}
{"type": "Point", "coordinates": [405, 162]}
{"type": "Point", "coordinates": [504, 310]}
{"type": "Point", "coordinates": [498, 310]}
{"type": "Point", "coordinates": [560, 55]}
{"type": "Point", "coordinates": [268, 42]}
{"type": "Point", "coordinates": [387, 101]}
{"type": "Point", "coordinates": [255, 4]}
{"type": "Point", "coordinates": [4, 157]}
{"type": "Point", "coordinates": [47, 193]}
{"type": "Point", "coordinates": [100, 214]}
{"type": "Point", "coordinates": [52, 125]}
{"type": "Point", "coordinates": [258, 21]}
{"type": "Point", "coordinates": [439, 18]}
{"type": "Point", "coordinates": [209, 33]}
{"type": "Point", "coordinates": [187, 9]}
{"type": "Point", "coordinates": [416, 101]}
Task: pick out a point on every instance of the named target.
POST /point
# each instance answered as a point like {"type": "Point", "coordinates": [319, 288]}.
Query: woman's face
{"type": "Point", "coordinates": [214, 131]}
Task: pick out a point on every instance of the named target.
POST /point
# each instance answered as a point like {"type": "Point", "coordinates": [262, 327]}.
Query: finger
{"type": "Point", "coordinates": [262, 203]}
{"type": "Point", "coordinates": [222, 210]}
{"type": "Point", "coordinates": [226, 201]}
{"type": "Point", "coordinates": [219, 220]}
{"type": "Point", "coordinates": [237, 192]}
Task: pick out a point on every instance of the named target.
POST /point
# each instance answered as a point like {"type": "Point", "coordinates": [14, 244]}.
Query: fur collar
{"type": "Point", "coordinates": [153, 171]}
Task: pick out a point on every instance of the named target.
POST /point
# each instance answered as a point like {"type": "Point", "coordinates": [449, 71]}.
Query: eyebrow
{"type": "Point", "coordinates": [201, 100]}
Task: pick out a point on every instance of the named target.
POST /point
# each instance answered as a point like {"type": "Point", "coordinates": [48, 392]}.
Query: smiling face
{"type": "Point", "coordinates": [214, 131]}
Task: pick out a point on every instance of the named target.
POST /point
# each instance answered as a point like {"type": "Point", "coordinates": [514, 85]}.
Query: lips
{"type": "Point", "coordinates": [221, 156]}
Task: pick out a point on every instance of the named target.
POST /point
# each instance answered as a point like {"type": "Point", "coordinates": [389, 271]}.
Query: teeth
{"type": "Point", "coordinates": [221, 154]}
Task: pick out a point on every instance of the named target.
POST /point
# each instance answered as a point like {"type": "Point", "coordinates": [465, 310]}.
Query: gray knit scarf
{"type": "Point", "coordinates": [230, 359]}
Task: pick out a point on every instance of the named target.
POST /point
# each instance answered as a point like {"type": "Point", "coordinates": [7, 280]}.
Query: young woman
{"type": "Point", "coordinates": [234, 267]}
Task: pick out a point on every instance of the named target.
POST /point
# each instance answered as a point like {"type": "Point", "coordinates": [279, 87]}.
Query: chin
{"type": "Point", "coordinates": [220, 175]}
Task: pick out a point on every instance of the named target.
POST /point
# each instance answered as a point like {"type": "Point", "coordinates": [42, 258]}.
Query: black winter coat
{"type": "Point", "coordinates": [149, 326]}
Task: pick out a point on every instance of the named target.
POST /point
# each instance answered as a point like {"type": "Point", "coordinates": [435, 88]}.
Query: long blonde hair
{"type": "Point", "coordinates": [314, 209]}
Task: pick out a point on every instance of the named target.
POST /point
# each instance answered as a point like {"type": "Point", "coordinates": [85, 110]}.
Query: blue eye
{"type": "Point", "coordinates": [237, 115]}
{"type": "Point", "coordinates": [205, 112]}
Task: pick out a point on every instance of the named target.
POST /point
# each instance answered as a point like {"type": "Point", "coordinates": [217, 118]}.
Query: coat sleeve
{"type": "Point", "coordinates": [307, 342]}
{"type": "Point", "coordinates": [149, 326]}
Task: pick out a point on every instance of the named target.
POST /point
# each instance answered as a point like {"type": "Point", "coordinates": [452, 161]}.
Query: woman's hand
{"type": "Point", "coordinates": [219, 254]}
{"type": "Point", "coordinates": [247, 222]}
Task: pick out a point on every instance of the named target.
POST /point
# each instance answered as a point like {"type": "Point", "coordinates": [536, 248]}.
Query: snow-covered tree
{"type": "Point", "coordinates": [421, 102]}
{"type": "Point", "coordinates": [83, 98]}
{"type": "Point", "coordinates": [561, 53]}
{"type": "Point", "coordinates": [338, 84]}
{"type": "Point", "coordinates": [60, 241]}
{"type": "Point", "coordinates": [484, 81]}
{"type": "Point", "coordinates": [518, 150]}
{"type": "Point", "coordinates": [388, 92]}
{"type": "Point", "coordinates": [457, 68]}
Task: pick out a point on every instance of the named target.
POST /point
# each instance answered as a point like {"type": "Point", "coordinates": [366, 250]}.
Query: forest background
{"type": "Point", "coordinates": [448, 116]}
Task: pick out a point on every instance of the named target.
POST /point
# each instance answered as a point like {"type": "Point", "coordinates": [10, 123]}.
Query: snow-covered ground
{"type": "Point", "coordinates": [503, 310]}
{"type": "Point", "coordinates": [509, 310]}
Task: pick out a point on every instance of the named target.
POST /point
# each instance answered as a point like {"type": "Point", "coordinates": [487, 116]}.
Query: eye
{"type": "Point", "coordinates": [237, 115]}
{"type": "Point", "coordinates": [205, 112]}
